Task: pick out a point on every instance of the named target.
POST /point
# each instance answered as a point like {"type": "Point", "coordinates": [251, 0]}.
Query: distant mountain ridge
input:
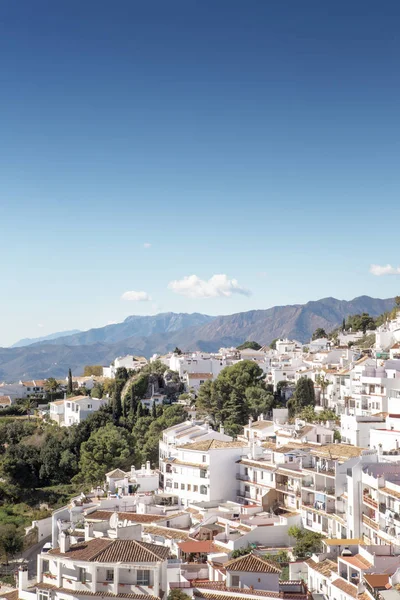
{"type": "Point", "coordinates": [161, 333]}
{"type": "Point", "coordinates": [44, 338]}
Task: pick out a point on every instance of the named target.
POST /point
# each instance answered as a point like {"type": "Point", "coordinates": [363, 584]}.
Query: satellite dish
{"type": "Point", "coordinates": [114, 520]}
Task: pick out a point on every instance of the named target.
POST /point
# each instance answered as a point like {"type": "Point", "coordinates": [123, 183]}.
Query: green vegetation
{"type": "Point", "coordinates": [304, 396]}
{"type": "Point", "coordinates": [93, 370]}
{"type": "Point", "coordinates": [39, 460]}
{"type": "Point", "coordinates": [367, 341]}
{"type": "Point", "coordinates": [11, 541]}
{"type": "Point", "coordinates": [177, 351]}
{"type": "Point", "coordinates": [177, 594]}
{"type": "Point", "coordinates": [249, 345]}
{"type": "Point", "coordinates": [311, 416]}
{"type": "Point", "coordinates": [238, 392]}
{"type": "Point", "coordinates": [273, 344]}
{"type": "Point", "coordinates": [319, 333]}
{"type": "Point", "coordinates": [360, 322]}
{"type": "Point", "coordinates": [307, 542]}
{"type": "Point", "coordinates": [70, 387]}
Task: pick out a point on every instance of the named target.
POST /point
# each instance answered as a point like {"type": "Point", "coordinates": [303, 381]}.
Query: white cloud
{"type": "Point", "coordinates": [147, 245]}
{"type": "Point", "coordinates": [384, 270]}
{"type": "Point", "coordinates": [136, 296]}
{"type": "Point", "coordinates": [218, 285]}
{"type": "Point", "coordinates": [40, 325]}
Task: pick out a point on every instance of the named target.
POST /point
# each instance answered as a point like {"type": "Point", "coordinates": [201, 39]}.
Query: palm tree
{"type": "Point", "coordinates": [323, 384]}
{"type": "Point", "coordinates": [51, 386]}
{"type": "Point", "coordinates": [27, 405]}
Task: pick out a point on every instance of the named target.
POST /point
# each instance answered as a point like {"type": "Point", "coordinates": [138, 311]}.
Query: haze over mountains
{"type": "Point", "coordinates": [44, 338]}
{"type": "Point", "coordinates": [146, 335]}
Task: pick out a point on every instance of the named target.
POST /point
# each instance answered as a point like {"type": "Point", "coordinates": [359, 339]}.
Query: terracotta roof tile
{"type": "Point", "coordinates": [325, 567]}
{"type": "Point", "coordinates": [347, 588]}
{"type": "Point", "coordinates": [109, 551]}
{"type": "Point", "coordinates": [357, 561]}
{"type": "Point", "coordinates": [166, 532]}
{"type": "Point", "coordinates": [251, 563]}
{"type": "Point", "coordinates": [47, 586]}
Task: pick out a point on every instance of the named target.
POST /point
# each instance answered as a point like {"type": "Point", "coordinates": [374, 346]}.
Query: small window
{"type": "Point", "coordinates": [203, 474]}
{"type": "Point", "coordinates": [68, 404]}
{"type": "Point", "coordinates": [176, 485]}
{"type": "Point", "coordinates": [235, 580]}
{"type": "Point", "coordinates": [204, 458]}
{"type": "Point", "coordinates": [182, 486]}
{"type": "Point", "coordinates": [43, 596]}
{"type": "Point", "coordinates": [189, 489]}
{"type": "Point", "coordinates": [89, 406]}
{"type": "Point", "coordinates": [143, 577]}
{"type": "Point", "coordinates": [203, 489]}
{"type": "Point", "coordinates": [45, 567]}
{"type": "Point", "coordinates": [195, 488]}
{"type": "Point", "coordinates": [110, 575]}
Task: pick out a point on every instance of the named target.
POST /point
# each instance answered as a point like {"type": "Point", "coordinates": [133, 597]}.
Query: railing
{"type": "Point", "coordinates": [370, 501]}
{"type": "Point", "coordinates": [243, 494]}
{"type": "Point", "coordinates": [242, 477]}
{"type": "Point", "coordinates": [367, 521]}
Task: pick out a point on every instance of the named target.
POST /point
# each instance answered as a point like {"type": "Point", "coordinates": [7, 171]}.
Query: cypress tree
{"type": "Point", "coordinates": [117, 405]}
{"type": "Point", "coordinates": [69, 384]}
{"type": "Point", "coordinates": [139, 410]}
{"type": "Point", "coordinates": [153, 410]}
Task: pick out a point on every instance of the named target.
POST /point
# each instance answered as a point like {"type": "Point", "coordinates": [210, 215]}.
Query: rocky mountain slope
{"type": "Point", "coordinates": [161, 333]}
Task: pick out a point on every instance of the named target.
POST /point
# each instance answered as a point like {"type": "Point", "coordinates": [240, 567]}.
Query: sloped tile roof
{"type": "Point", "coordinates": [110, 551]}
{"type": "Point", "coordinates": [251, 563]}
{"type": "Point", "coordinates": [47, 586]}
{"type": "Point", "coordinates": [214, 445]}
{"type": "Point", "coordinates": [347, 588]}
{"type": "Point", "coordinates": [325, 567]}
{"type": "Point", "coordinates": [104, 515]}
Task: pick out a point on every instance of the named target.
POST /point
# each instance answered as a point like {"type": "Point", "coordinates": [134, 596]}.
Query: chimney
{"type": "Point", "coordinates": [22, 578]}
{"type": "Point", "coordinates": [143, 469]}
{"type": "Point", "coordinates": [227, 529]}
{"type": "Point", "coordinates": [148, 466]}
{"type": "Point", "coordinates": [250, 421]}
{"type": "Point", "coordinates": [221, 429]}
{"type": "Point", "coordinates": [261, 417]}
{"type": "Point", "coordinates": [65, 542]}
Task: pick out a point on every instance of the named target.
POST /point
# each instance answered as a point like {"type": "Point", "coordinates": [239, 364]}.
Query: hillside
{"type": "Point", "coordinates": [45, 338]}
{"type": "Point", "coordinates": [161, 333]}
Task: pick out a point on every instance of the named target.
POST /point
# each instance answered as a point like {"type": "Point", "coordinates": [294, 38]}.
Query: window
{"type": "Point", "coordinates": [143, 577]}
{"type": "Point", "coordinates": [43, 596]}
{"type": "Point", "coordinates": [204, 458]}
{"type": "Point", "coordinates": [110, 575]}
{"type": "Point", "coordinates": [176, 485]}
{"type": "Point", "coordinates": [195, 488]}
{"type": "Point", "coordinates": [45, 567]}
{"type": "Point", "coordinates": [68, 404]}
{"type": "Point", "coordinates": [235, 581]}
{"type": "Point", "coordinates": [182, 486]}
{"type": "Point", "coordinates": [82, 575]}
{"type": "Point", "coordinates": [246, 471]}
{"type": "Point", "coordinates": [203, 489]}
{"type": "Point", "coordinates": [203, 473]}
{"type": "Point", "coordinates": [189, 489]}
{"type": "Point", "coordinates": [89, 406]}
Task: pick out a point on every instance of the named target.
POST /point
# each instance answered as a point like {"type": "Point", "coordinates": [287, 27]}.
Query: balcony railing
{"type": "Point", "coordinates": [367, 521]}
{"type": "Point", "coordinates": [242, 477]}
{"type": "Point", "coordinates": [369, 501]}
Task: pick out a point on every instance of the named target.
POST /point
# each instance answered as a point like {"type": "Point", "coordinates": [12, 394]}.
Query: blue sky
{"type": "Point", "coordinates": [257, 141]}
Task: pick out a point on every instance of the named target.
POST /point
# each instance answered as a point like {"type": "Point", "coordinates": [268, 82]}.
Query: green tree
{"type": "Point", "coordinates": [70, 387]}
{"type": "Point", "coordinates": [251, 345]}
{"type": "Point", "coordinates": [51, 386]}
{"type": "Point", "coordinates": [307, 542]}
{"type": "Point", "coordinates": [260, 401]}
{"type": "Point", "coordinates": [344, 325]}
{"type": "Point", "coordinates": [177, 594]}
{"type": "Point", "coordinates": [323, 384]}
{"type": "Point", "coordinates": [273, 344]}
{"type": "Point", "coordinates": [27, 406]}
{"type": "Point", "coordinates": [154, 411]}
{"type": "Point", "coordinates": [177, 351]}
{"type": "Point", "coordinates": [21, 466]}
{"type": "Point", "coordinates": [139, 410]}
{"type": "Point", "coordinates": [224, 399]}
{"type": "Point", "coordinates": [117, 405]}
{"type": "Point", "coordinates": [319, 333]}
{"type": "Point", "coordinates": [303, 396]}
{"type": "Point", "coordinates": [97, 391]}
{"type": "Point", "coordinates": [11, 542]}
{"type": "Point", "coordinates": [106, 449]}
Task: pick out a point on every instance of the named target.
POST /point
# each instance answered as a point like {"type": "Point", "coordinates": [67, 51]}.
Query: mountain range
{"type": "Point", "coordinates": [44, 338]}
{"type": "Point", "coordinates": [146, 335]}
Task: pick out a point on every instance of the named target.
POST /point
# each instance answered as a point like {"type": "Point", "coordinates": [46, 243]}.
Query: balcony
{"type": "Point", "coordinates": [242, 477]}
{"type": "Point", "coordinates": [370, 523]}
{"type": "Point", "coordinates": [369, 501]}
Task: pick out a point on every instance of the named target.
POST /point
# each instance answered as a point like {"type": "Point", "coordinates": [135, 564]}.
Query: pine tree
{"type": "Point", "coordinates": [344, 325]}
{"type": "Point", "coordinates": [69, 384]}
